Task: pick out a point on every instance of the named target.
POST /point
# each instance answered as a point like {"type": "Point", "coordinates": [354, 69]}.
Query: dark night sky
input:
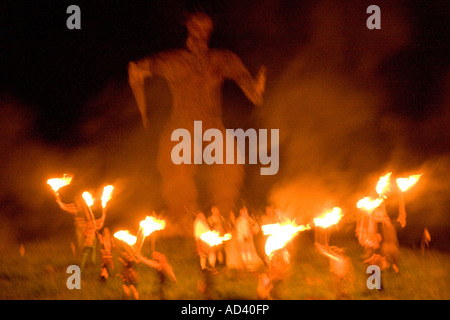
{"type": "Point", "coordinates": [58, 70]}
{"type": "Point", "coordinates": [64, 93]}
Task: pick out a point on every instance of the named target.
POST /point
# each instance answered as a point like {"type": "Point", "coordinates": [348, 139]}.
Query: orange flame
{"type": "Point", "coordinates": [383, 183]}
{"type": "Point", "coordinates": [405, 183]}
{"type": "Point", "coordinates": [368, 204]}
{"type": "Point", "coordinates": [88, 198]}
{"type": "Point", "coordinates": [58, 183]}
{"type": "Point", "coordinates": [125, 236]}
{"type": "Point", "coordinates": [151, 224]}
{"type": "Point", "coordinates": [106, 196]}
{"type": "Point", "coordinates": [280, 235]}
{"type": "Point", "coordinates": [213, 238]}
{"type": "Point", "coordinates": [330, 218]}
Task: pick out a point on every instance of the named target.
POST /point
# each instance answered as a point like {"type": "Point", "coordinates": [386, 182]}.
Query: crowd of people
{"type": "Point", "coordinates": [243, 250]}
{"type": "Point", "coordinates": [91, 232]}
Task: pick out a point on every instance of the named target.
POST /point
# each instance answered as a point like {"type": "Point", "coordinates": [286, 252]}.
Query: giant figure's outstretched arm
{"type": "Point", "coordinates": [137, 72]}
{"type": "Point", "coordinates": [162, 64]}
{"type": "Point", "coordinates": [235, 70]}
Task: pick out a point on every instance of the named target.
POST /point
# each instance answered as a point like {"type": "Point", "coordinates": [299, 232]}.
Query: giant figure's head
{"type": "Point", "coordinates": [199, 27]}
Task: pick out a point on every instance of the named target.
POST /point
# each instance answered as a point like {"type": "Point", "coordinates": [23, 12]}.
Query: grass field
{"type": "Point", "coordinates": [41, 274]}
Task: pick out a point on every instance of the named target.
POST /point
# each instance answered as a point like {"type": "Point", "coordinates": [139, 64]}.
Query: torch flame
{"type": "Point", "coordinates": [330, 218]}
{"type": "Point", "coordinates": [125, 236]}
{"type": "Point", "coordinates": [213, 238]}
{"type": "Point", "coordinates": [405, 183]}
{"type": "Point", "coordinates": [88, 198]}
{"type": "Point", "coordinates": [58, 183]}
{"type": "Point", "coordinates": [383, 183]}
{"type": "Point", "coordinates": [280, 235]}
{"type": "Point", "coordinates": [106, 196]}
{"type": "Point", "coordinates": [151, 224]}
{"type": "Point", "coordinates": [368, 204]}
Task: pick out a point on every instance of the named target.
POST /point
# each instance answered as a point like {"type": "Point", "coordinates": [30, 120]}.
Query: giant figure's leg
{"type": "Point", "coordinates": [178, 187]}
{"type": "Point", "coordinates": [225, 183]}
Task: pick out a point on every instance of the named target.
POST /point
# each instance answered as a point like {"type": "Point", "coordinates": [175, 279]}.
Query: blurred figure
{"type": "Point", "coordinates": [129, 274]}
{"type": "Point", "coordinates": [279, 266]}
{"type": "Point", "coordinates": [265, 287]}
{"type": "Point", "coordinates": [204, 251]}
{"type": "Point", "coordinates": [269, 217]}
{"type": "Point", "coordinates": [246, 227]}
{"type": "Point", "coordinates": [80, 212]}
{"type": "Point", "coordinates": [90, 231]}
{"type": "Point", "coordinates": [367, 233]}
{"type": "Point", "coordinates": [161, 264]}
{"type": "Point", "coordinates": [107, 244]}
{"type": "Point", "coordinates": [425, 241]}
{"type": "Point", "coordinates": [341, 268]}
{"type": "Point", "coordinates": [217, 223]}
{"type": "Point", "coordinates": [129, 258]}
{"type": "Point", "coordinates": [232, 251]}
{"type": "Point", "coordinates": [389, 245]}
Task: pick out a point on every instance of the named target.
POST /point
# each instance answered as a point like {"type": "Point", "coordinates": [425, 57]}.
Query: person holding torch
{"type": "Point", "coordinates": [91, 230]}
{"type": "Point", "coordinates": [78, 209]}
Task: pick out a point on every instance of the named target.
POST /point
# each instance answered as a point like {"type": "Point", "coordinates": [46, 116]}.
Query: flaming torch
{"type": "Point", "coordinates": [404, 184]}
{"type": "Point", "coordinates": [280, 235]}
{"type": "Point", "coordinates": [90, 202]}
{"type": "Point", "coordinates": [58, 183]}
{"type": "Point", "coordinates": [125, 236]}
{"type": "Point", "coordinates": [368, 204]}
{"type": "Point", "coordinates": [213, 238]}
{"type": "Point", "coordinates": [106, 196]}
{"type": "Point", "coordinates": [383, 184]}
{"type": "Point", "coordinates": [323, 222]}
{"type": "Point", "coordinates": [146, 227]}
{"type": "Point", "coordinates": [128, 239]}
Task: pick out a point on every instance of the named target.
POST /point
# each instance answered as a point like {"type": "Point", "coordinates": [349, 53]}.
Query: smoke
{"type": "Point", "coordinates": [331, 91]}
{"type": "Point", "coordinates": [339, 131]}
{"type": "Point", "coordinates": [330, 106]}
{"type": "Point", "coordinates": [26, 162]}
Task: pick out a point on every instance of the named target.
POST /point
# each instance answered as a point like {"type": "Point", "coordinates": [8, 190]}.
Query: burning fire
{"type": "Point", "coordinates": [88, 198]}
{"type": "Point", "coordinates": [213, 238]}
{"type": "Point", "coordinates": [405, 183]}
{"type": "Point", "coordinates": [106, 196]}
{"type": "Point", "coordinates": [280, 234]}
{"type": "Point", "coordinates": [151, 224]}
{"type": "Point", "coordinates": [58, 183]}
{"type": "Point", "coordinates": [383, 183]}
{"type": "Point", "coordinates": [368, 204]}
{"type": "Point", "coordinates": [125, 236]}
{"type": "Point", "coordinates": [329, 218]}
